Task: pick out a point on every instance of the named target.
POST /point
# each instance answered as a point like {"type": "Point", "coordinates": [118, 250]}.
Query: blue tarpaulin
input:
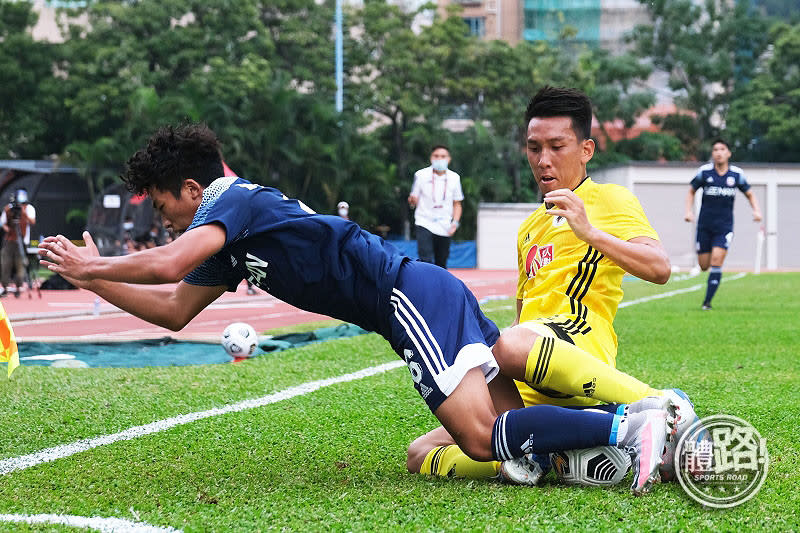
{"type": "Point", "coordinates": [463, 254]}
{"type": "Point", "coordinates": [165, 351]}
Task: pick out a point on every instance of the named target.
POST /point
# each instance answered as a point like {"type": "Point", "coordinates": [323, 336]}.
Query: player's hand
{"type": "Point", "coordinates": [757, 216]}
{"type": "Point", "coordinates": [567, 204]}
{"type": "Point", "coordinates": [61, 256]}
{"type": "Point", "coordinates": [412, 200]}
{"type": "Point", "coordinates": [689, 216]}
{"type": "Point", "coordinates": [452, 230]}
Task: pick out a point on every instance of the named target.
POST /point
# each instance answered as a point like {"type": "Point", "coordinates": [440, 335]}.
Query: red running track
{"type": "Point", "coordinates": [77, 314]}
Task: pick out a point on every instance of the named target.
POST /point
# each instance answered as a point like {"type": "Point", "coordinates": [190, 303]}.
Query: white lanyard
{"type": "Point", "coordinates": [433, 190]}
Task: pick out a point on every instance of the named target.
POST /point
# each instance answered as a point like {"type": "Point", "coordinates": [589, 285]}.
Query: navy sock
{"type": "Point", "coordinates": [547, 428]}
{"type": "Point", "coordinates": [714, 277]}
{"type": "Point", "coordinates": [613, 408]}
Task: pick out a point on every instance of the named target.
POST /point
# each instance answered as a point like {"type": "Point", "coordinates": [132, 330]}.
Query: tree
{"type": "Point", "coordinates": [763, 122]}
{"type": "Point", "coordinates": [708, 50]}
{"type": "Point", "coordinates": [403, 78]}
{"type": "Point", "coordinates": [500, 81]}
{"type": "Point", "coordinates": [30, 114]}
{"type": "Point", "coordinates": [611, 83]}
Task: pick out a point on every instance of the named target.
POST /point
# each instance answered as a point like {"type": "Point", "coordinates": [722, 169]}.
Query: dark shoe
{"type": "Point", "coordinates": [706, 307]}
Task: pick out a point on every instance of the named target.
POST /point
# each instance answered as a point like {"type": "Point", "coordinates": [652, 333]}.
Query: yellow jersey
{"type": "Point", "coordinates": [565, 281]}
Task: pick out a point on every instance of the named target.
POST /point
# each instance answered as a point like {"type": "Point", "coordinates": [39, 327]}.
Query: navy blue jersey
{"type": "Point", "coordinates": [318, 263]}
{"type": "Point", "coordinates": [719, 192]}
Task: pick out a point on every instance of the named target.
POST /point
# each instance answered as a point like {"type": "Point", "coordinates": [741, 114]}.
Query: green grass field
{"type": "Point", "coordinates": [334, 459]}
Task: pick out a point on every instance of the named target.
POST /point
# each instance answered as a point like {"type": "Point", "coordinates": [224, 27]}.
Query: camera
{"type": "Point", "coordinates": [15, 210]}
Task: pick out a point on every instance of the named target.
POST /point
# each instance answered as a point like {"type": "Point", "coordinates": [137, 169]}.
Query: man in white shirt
{"type": "Point", "coordinates": [436, 195]}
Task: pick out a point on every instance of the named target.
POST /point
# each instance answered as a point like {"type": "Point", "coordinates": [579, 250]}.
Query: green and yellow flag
{"type": "Point", "coordinates": [8, 343]}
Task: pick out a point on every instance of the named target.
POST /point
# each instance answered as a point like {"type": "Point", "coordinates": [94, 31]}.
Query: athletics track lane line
{"type": "Point", "coordinates": [58, 452]}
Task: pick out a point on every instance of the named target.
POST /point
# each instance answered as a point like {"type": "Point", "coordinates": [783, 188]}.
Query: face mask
{"type": "Point", "coordinates": [127, 226]}
{"type": "Point", "coordinates": [342, 212]}
{"type": "Point", "coordinates": [439, 165]}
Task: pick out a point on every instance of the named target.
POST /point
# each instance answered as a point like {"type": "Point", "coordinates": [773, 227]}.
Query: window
{"type": "Point", "coordinates": [476, 25]}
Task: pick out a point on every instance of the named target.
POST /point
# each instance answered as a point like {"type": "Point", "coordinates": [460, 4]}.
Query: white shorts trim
{"type": "Point", "coordinates": [469, 357]}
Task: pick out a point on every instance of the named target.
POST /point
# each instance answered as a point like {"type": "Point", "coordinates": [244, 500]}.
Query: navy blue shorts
{"type": "Point", "coordinates": [708, 238]}
{"type": "Point", "coordinates": [439, 330]}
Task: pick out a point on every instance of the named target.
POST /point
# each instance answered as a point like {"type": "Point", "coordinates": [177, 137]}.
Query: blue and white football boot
{"type": "Point", "coordinates": [526, 470]}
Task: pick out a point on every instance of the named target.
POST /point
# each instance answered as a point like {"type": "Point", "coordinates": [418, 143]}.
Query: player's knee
{"type": "Point", "coordinates": [475, 438]}
{"type": "Point", "coordinates": [513, 344]}
{"type": "Point", "coordinates": [477, 447]}
{"type": "Point", "coordinates": [417, 451]}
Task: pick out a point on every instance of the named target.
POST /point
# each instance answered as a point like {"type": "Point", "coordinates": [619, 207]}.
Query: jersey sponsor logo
{"type": "Point", "coordinates": [731, 181]}
{"type": "Point", "coordinates": [720, 191]}
{"type": "Point", "coordinates": [257, 268]}
{"type": "Point", "coordinates": [538, 257]}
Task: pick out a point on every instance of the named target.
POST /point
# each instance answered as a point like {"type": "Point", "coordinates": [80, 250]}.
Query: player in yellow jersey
{"type": "Point", "coordinates": [572, 252]}
{"type": "Point", "coordinates": [567, 288]}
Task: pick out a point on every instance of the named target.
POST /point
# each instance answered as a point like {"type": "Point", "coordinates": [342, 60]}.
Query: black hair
{"type": "Point", "coordinates": [437, 146]}
{"type": "Point", "coordinates": [173, 154]}
{"type": "Point", "coordinates": [720, 140]}
{"type": "Point", "coordinates": [563, 102]}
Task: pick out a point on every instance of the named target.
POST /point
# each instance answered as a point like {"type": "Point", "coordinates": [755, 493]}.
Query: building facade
{"type": "Point", "coordinates": [490, 19]}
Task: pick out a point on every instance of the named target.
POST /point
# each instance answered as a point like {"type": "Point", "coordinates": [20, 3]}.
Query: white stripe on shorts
{"type": "Point", "coordinates": [432, 352]}
{"type": "Point", "coordinates": [409, 332]}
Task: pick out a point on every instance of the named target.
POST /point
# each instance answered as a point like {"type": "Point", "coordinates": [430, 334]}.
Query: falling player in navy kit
{"type": "Point", "coordinates": [719, 182]}
{"type": "Point", "coordinates": [231, 229]}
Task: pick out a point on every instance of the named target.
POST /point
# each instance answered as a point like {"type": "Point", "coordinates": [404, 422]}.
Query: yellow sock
{"type": "Point", "coordinates": [560, 366]}
{"type": "Point", "coordinates": [450, 461]}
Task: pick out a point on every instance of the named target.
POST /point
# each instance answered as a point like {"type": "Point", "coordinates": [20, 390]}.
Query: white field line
{"type": "Point", "coordinates": [669, 294]}
{"type": "Point", "coordinates": [58, 452]}
{"type": "Point", "coordinates": [105, 525]}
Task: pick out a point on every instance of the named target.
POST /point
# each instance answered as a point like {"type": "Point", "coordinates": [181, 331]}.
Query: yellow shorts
{"type": "Point", "coordinates": [596, 342]}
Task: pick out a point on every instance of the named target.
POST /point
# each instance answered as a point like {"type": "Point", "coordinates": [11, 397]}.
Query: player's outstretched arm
{"type": "Point", "coordinates": [164, 264]}
{"type": "Point", "coordinates": [168, 309]}
{"type": "Point", "coordinates": [643, 257]}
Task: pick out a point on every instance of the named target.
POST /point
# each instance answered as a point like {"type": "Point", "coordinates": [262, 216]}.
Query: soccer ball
{"type": "Point", "coordinates": [594, 467]}
{"type": "Point", "coordinates": [239, 339]}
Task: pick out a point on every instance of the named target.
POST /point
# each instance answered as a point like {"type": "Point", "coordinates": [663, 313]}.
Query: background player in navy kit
{"type": "Point", "coordinates": [231, 229]}
{"type": "Point", "coordinates": [719, 182]}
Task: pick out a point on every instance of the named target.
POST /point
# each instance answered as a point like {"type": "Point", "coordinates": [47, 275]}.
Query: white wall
{"type": "Point", "coordinates": [662, 189]}
{"type": "Point", "coordinates": [497, 234]}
